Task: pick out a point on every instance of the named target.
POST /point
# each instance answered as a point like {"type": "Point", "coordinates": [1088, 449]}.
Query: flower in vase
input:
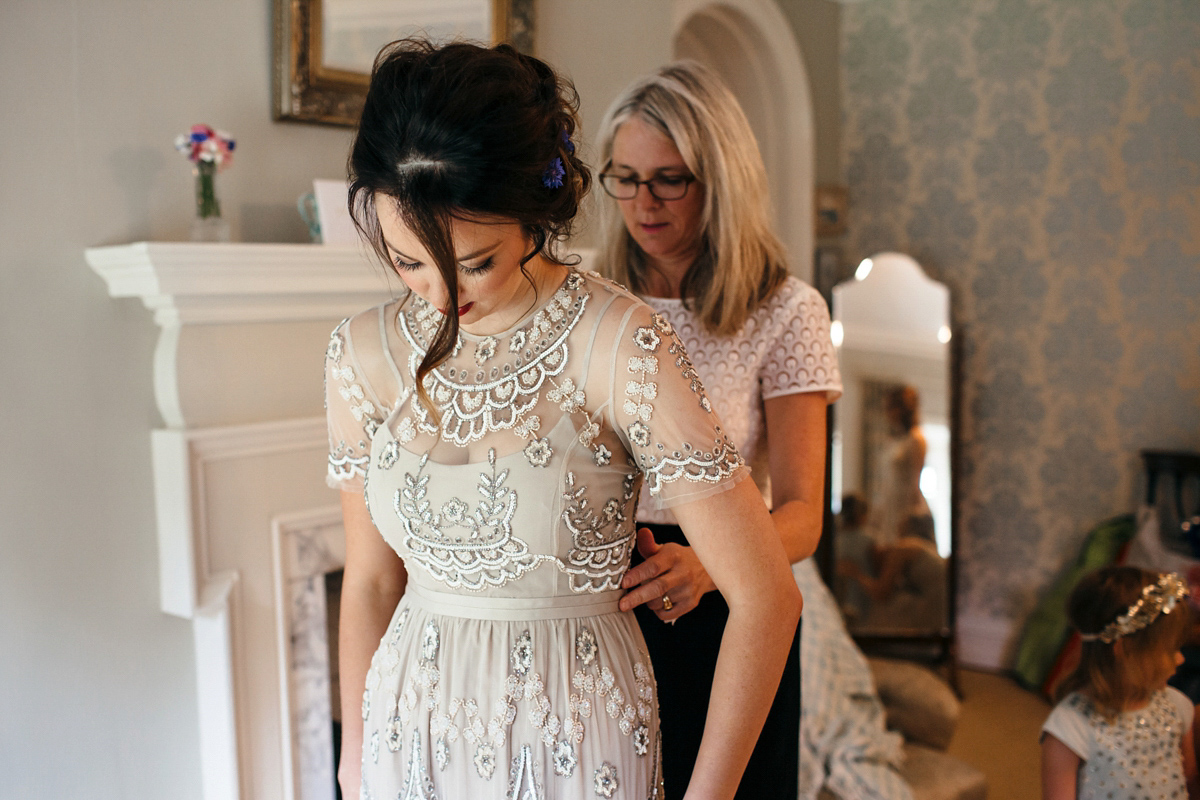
{"type": "Point", "coordinates": [205, 146]}
{"type": "Point", "coordinates": [210, 151]}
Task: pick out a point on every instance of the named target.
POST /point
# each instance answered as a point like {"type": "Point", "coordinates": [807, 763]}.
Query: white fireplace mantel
{"type": "Point", "coordinates": [246, 526]}
{"type": "Point", "coordinates": [195, 283]}
{"type": "Point", "coordinates": [194, 289]}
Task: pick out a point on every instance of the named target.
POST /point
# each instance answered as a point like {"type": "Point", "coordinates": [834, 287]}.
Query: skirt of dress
{"type": "Point", "coordinates": [510, 699]}
{"type": "Point", "coordinates": [685, 659]}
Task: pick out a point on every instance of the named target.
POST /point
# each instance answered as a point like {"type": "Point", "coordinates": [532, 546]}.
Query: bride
{"type": "Point", "coordinates": [491, 431]}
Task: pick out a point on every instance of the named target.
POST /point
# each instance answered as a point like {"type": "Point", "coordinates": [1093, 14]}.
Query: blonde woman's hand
{"type": "Point", "coordinates": [670, 570]}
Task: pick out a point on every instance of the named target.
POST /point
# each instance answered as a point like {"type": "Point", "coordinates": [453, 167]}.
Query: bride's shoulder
{"type": "Point", "coordinates": [371, 338]}
{"type": "Point", "coordinates": [615, 302]}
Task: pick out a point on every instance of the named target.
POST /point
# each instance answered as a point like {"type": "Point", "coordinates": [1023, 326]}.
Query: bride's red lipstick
{"type": "Point", "coordinates": [461, 309]}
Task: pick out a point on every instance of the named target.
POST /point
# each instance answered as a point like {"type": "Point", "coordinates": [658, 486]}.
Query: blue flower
{"type": "Point", "coordinates": [552, 178]}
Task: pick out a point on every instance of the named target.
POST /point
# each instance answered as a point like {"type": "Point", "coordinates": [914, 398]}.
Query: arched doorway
{"type": "Point", "coordinates": [750, 44]}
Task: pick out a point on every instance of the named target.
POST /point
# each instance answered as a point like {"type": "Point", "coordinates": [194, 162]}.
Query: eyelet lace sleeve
{"type": "Point", "coordinates": [664, 417]}
{"type": "Point", "coordinates": [801, 356]}
{"type": "Point", "coordinates": [352, 409]}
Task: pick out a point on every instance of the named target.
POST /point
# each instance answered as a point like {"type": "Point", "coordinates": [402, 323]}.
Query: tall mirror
{"type": "Point", "coordinates": [891, 476]}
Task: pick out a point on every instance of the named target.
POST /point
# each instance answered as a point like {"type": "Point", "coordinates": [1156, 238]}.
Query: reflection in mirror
{"type": "Point", "coordinates": [353, 31]}
{"type": "Point", "coordinates": [891, 476]}
{"type": "Point", "coordinates": [324, 49]}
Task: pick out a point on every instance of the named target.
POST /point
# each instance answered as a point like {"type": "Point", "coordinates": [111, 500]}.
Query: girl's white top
{"type": "Point", "coordinates": [784, 348]}
{"type": "Point", "coordinates": [1135, 755]}
{"type": "Point", "coordinates": [507, 669]}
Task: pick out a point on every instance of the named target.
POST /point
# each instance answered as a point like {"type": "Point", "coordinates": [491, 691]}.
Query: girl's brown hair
{"type": "Point", "coordinates": [467, 132]}
{"type": "Point", "coordinates": [1121, 673]}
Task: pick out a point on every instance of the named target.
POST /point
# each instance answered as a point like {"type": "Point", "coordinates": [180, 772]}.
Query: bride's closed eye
{"type": "Point", "coordinates": [476, 270]}
{"type": "Point", "coordinates": [479, 269]}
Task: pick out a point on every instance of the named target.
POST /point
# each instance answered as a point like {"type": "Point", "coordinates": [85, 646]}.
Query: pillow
{"type": "Point", "coordinates": [918, 703]}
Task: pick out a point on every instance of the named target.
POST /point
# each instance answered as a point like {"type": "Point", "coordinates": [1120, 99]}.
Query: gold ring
{"type": "Point", "coordinates": [667, 604]}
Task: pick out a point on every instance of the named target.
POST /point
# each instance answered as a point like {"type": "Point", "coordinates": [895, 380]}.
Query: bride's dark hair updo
{"type": "Point", "coordinates": [468, 132]}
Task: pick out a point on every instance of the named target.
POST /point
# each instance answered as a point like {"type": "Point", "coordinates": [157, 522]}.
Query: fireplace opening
{"type": "Point", "coordinates": [333, 604]}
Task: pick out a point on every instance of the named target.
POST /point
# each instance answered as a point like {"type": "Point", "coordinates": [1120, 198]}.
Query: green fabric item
{"type": "Point", "coordinates": [1047, 629]}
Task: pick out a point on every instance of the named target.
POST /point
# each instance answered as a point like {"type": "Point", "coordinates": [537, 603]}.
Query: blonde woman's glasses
{"type": "Point", "coordinates": [662, 187]}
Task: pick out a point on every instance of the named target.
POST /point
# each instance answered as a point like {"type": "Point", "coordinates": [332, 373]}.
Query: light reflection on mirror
{"type": "Point", "coordinates": [353, 31]}
{"type": "Point", "coordinates": [891, 325]}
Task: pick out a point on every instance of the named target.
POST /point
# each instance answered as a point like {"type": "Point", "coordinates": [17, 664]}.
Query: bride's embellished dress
{"type": "Point", "coordinates": [507, 670]}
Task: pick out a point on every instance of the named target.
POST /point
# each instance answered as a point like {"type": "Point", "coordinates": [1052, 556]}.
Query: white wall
{"type": "Point", "coordinates": [97, 685]}
{"type": "Point", "coordinates": [601, 47]}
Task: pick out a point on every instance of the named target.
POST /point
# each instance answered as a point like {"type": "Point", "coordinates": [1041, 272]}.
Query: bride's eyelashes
{"type": "Point", "coordinates": [480, 268]}
{"type": "Point", "coordinates": [476, 270]}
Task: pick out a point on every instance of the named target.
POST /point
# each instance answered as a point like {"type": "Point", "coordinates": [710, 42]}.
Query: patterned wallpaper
{"type": "Point", "coordinates": [1042, 157]}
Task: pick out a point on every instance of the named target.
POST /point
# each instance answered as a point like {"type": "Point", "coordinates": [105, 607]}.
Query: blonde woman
{"type": "Point", "coordinates": [686, 226]}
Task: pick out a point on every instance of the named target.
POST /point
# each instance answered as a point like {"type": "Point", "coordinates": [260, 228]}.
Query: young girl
{"type": "Point", "coordinates": [1119, 731]}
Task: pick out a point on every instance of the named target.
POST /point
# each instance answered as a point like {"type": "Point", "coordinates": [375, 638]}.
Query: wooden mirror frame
{"type": "Point", "coordinates": [943, 643]}
{"type": "Point", "coordinates": [304, 91]}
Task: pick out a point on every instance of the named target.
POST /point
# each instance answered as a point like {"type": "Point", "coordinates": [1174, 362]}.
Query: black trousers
{"type": "Point", "coordinates": [684, 656]}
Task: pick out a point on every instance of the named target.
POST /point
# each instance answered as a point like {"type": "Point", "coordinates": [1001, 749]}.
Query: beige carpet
{"type": "Point", "coordinates": [998, 733]}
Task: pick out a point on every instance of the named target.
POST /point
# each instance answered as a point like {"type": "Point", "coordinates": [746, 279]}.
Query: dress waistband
{"type": "Point", "coordinates": [514, 609]}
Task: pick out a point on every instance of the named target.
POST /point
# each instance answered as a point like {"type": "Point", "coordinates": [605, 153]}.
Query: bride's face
{"type": "Point", "coordinates": [492, 291]}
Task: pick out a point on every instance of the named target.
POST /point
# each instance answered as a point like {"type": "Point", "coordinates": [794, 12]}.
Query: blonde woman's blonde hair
{"type": "Point", "coordinates": [741, 261]}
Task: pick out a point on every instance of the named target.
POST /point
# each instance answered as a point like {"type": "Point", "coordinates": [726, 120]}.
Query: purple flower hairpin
{"type": "Point", "coordinates": [552, 178]}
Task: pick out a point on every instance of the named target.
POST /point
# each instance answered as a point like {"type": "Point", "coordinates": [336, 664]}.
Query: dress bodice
{"type": "Point", "coordinates": [1130, 755]}
{"type": "Point", "coordinates": [522, 479]}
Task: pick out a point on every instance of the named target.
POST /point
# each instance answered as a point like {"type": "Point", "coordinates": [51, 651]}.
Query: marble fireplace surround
{"type": "Point", "coordinates": [247, 528]}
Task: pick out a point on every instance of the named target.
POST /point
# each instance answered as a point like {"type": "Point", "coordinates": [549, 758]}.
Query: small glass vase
{"type": "Point", "coordinates": [208, 226]}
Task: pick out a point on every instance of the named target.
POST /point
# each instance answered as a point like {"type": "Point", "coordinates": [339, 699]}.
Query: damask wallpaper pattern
{"type": "Point", "coordinates": [1042, 157]}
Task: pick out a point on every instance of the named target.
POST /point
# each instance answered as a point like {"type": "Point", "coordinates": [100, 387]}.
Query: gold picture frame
{"type": "Point", "coordinates": [305, 89]}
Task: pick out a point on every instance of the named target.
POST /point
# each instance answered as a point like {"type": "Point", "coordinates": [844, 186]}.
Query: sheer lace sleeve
{"type": "Point", "coordinates": [663, 416]}
{"type": "Point", "coordinates": [353, 409]}
{"type": "Point", "coordinates": [801, 357]}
